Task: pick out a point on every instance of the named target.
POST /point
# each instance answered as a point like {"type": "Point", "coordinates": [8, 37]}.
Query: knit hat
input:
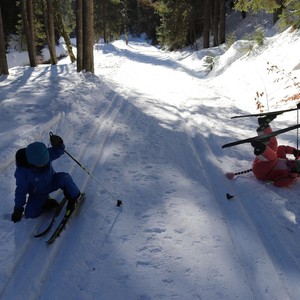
{"type": "Point", "coordinates": [37, 154]}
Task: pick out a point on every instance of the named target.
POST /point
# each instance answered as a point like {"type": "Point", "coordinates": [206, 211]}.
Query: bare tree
{"type": "Point", "coordinates": [3, 59]}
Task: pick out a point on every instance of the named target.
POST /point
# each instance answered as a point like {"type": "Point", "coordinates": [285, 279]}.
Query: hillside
{"type": "Point", "coordinates": [149, 125]}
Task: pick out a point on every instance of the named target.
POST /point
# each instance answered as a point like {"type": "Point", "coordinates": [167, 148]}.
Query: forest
{"type": "Point", "coordinates": [172, 24]}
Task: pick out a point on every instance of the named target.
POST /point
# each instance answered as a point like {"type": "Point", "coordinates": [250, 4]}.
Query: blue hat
{"type": "Point", "coordinates": [37, 154]}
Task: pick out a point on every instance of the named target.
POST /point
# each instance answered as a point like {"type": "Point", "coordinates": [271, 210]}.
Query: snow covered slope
{"type": "Point", "coordinates": [149, 125]}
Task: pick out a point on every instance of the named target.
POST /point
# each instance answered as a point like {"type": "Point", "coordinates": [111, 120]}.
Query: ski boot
{"type": "Point", "coordinates": [264, 122]}
{"type": "Point", "coordinates": [50, 204]}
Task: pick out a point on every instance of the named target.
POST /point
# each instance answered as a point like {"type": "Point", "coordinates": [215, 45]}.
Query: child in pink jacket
{"type": "Point", "coordinates": [271, 162]}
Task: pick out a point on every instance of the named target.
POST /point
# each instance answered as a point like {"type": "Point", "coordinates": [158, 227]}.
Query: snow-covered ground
{"type": "Point", "coordinates": [149, 125]}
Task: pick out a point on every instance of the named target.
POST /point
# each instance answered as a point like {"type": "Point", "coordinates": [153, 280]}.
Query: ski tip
{"type": "Point", "coordinates": [228, 196]}
{"type": "Point", "coordinates": [39, 235]}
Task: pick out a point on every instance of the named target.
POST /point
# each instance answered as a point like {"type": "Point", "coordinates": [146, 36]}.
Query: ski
{"type": "Point", "coordinates": [278, 112]}
{"type": "Point", "coordinates": [61, 226]}
{"type": "Point", "coordinates": [261, 137]}
{"type": "Point", "coordinates": [57, 212]}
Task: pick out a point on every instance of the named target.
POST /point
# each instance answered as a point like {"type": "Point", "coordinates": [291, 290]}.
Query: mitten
{"type": "Point", "coordinates": [296, 153]}
{"type": "Point", "coordinates": [56, 141]}
{"type": "Point", "coordinates": [17, 214]}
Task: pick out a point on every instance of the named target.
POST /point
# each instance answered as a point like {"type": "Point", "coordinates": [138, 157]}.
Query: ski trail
{"type": "Point", "coordinates": [274, 234]}
{"type": "Point", "coordinates": [24, 264]}
{"type": "Point", "coordinates": [100, 142]}
{"type": "Point", "coordinates": [245, 234]}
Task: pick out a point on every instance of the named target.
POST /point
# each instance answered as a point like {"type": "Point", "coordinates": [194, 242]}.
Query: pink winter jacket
{"type": "Point", "coordinates": [274, 166]}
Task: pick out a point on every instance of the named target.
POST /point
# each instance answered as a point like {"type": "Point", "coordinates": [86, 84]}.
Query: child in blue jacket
{"type": "Point", "coordinates": [36, 179]}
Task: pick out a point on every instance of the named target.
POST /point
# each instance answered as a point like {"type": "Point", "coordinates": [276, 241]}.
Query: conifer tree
{"type": "Point", "coordinates": [257, 5]}
{"type": "Point", "coordinates": [174, 28]}
{"type": "Point", "coordinates": [291, 13]}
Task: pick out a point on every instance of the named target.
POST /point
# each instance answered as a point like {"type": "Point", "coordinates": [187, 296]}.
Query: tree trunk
{"type": "Point", "coordinates": [104, 21]}
{"type": "Point", "coordinates": [51, 33]}
{"type": "Point", "coordinates": [79, 34]}
{"type": "Point", "coordinates": [3, 59]}
{"type": "Point", "coordinates": [125, 19]}
{"type": "Point", "coordinates": [62, 30]}
{"type": "Point", "coordinates": [216, 17]}
{"type": "Point", "coordinates": [222, 29]}
{"type": "Point", "coordinates": [27, 16]}
{"type": "Point", "coordinates": [206, 23]}
{"type": "Point", "coordinates": [88, 35]}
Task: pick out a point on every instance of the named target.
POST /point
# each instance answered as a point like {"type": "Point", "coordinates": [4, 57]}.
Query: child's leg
{"type": "Point", "coordinates": [65, 182]}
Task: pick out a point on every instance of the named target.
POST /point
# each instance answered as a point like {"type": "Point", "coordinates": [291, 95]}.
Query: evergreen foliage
{"type": "Point", "coordinates": [257, 5]}
{"type": "Point", "coordinates": [108, 20]}
{"type": "Point", "coordinates": [174, 24]}
{"type": "Point", "coordinates": [291, 15]}
{"type": "Point", "coordinates": [175, 16]}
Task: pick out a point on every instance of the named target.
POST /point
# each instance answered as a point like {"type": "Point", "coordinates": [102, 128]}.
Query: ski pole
{"type": "Point", "coordinates": [119, 202]}
{"type": "Point", "coordinates": [230, 175]}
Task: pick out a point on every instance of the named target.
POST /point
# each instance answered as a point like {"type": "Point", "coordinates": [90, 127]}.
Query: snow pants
{"type": "Point", "coordinates": [35, 203]}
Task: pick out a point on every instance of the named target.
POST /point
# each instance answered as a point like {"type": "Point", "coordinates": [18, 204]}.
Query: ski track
{"type": "Point", "coordinates": [248, 243]}
{"type": "Point", "coordinates": [275, 235]}
{"type": "Point", "coordinates": [153, 246]}
{"type": "Point", "coordinates": [237, 215]}
{"type": "Point", "coordinates": [23, 267]}
{"type": "Point", "coordinates": [267, 240]}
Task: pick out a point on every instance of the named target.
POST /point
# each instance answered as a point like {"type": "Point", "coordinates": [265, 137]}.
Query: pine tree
{"type": "Point", "coordinates": [291, 14]}
{"type": "Point", "coordinates": [174, 28]}
{"type": "Point", "coordinates": [108, 19]}
{"type": "Point", "coordinates": [257, 5]}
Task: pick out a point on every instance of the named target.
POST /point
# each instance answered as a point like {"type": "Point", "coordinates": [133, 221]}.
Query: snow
{"type": "Point", "coordinates": [149, 126]}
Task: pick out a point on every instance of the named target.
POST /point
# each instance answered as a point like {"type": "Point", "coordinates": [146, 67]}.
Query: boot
{"type": "Point", "coordinates": [264, 122]}
{"type": "Point", "coordinates": [259, 147]}
{"type": "Point", "coordinates": [50, 204]}
{"type": "Point", "coordinates": [73, 202]}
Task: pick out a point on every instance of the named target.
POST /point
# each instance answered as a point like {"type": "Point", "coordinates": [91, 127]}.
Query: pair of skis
{"type": "Point", "coordinates": [264, 137]}
{"type": "Point", "coordinates": [62, 224]}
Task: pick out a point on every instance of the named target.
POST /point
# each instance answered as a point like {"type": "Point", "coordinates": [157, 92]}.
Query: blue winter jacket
{"type": "Point", "coordinates": [33, 180]}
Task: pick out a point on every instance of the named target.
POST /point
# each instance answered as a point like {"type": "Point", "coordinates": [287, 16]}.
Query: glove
{"type": "Point", "coordinates": [56, 141]}
{"type": "Point", "coordinates": [17, 214]}
{"type": "Point", "coordinates": [296, 153]}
